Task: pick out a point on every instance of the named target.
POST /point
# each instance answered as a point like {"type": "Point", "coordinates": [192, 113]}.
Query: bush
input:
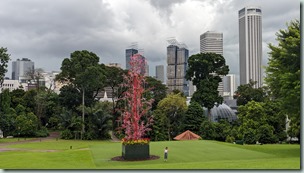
{"type": "Point", "coordinates": [43, 132]}
{"type": "Point", "coordinates": [90, 135]}
{"type": "Point", "coordinates": [249, 136]}
{"type": "Point", "coordinates": [265, 134]}
{"type": "Point", "coordinates": [66, 134]}
{"type": "Point", "coordinates": [230, 139]}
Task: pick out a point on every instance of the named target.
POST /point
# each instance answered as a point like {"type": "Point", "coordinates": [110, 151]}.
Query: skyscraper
{"type": "Point", "coordinates": [160, 73]}
{"type": "Point", "coordinates": [146, 69]}
{"type": "Point", "coordinates": [21, 68]}
{"type": "Point", "coordinates": [212, 42]}
{"type": "Point", "coordinates": [177, 59]}
{"type": "Point", "coordinates": [250, 45]}
{"type": "Point", "coordinates": [129, 54]}
{"type": "Point", "coordinates": [229, 86]}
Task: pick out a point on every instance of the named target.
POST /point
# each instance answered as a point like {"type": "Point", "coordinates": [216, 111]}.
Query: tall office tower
{"type": "Point", "coordinates": [160, 73]}
{"type": "Point", "coordinates": [229, 86]}
{"type": "Point", "coordinates": [177, 59]}
{"type": "Point", "coordinates": [146, 69]}
{"type": "Point", "coordinates": [250, 45]}
{"type": "Point", "coordinates": [129, 54]}
{"type": "Point", "coordinates": [212, 42]}
{"type": "Point", "coordinates": [21, 68]}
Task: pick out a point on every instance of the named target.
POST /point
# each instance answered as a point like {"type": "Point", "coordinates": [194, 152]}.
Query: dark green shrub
{"type": "Point", "coordinates": [250, 136]}
{"type": "Point", "coordinates": [90, 135]}
{"type": "Point", "coordinates": [43, 132]}
{"type": "Point", "coordinates": [230, 139]}
{"type": "Point", "coordinates": [66, 134]}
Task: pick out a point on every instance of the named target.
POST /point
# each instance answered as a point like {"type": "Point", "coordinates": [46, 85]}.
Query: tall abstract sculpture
{"type": "Point", "coordinates": [135, 120]}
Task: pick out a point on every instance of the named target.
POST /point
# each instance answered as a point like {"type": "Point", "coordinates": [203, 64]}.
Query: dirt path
{"type": "Point", "coordinates": [52, 135]}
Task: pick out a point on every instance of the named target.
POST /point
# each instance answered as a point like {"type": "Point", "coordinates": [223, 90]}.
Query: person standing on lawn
{"type": "Point", "coordinates": [166, 154]}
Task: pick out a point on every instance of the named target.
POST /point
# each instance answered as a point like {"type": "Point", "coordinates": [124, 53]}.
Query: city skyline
{"type": "Point", "coordinates": [45, 31]}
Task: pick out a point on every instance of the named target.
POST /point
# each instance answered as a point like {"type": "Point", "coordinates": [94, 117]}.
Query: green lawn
{"type": "Point", "coordinates": [201, 154]}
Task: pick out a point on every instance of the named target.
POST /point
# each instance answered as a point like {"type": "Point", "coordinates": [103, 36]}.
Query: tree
{"type": "Point", "coordinates": [70, 123]}
{"type": "Point", "coordinates": [246, 93]}
{"type": "Point", "coordinates": [222, 130]}
{"type": "Point", "coordinates": [194, 117]}
{"type": "Point", "coordinates": [205, 70]}
{"type": "Point", "coordinates": [255, 124]}
{"type": "Point", "coordinates": [35, 75]}
{"type": "Point", "coordinates": [29, 100]}
{"type": "Point", "coordinates": [276, 118]}
{"type": "Point", "coordinates": [99, 121]}
{"type": "Point", "coordinates": [70, 97]}
{"type": "Point", "coordinates": [4, 58]}
{"type": "Point", "coordinates": [17, 97]}
{"type": "Point", "coordinates": [84, 73]}
{"type": "Point", "coordinates": [207, 130]}
{"type": "Point", "coordinates": [172, 109]}
{"type": "Point", "coordinates": [27, 124]}
{"type": "Point", "coordinates": [283, 71]}
{"type": "Point", "coordinates": [5, 101]}
{"type": "Point", "coordinates": [6, 113]}
{"type": "Point", "coordinates": [47, 105]}
{"type": "Point", "coordinates": [157, 90]}
{"type": "Point", "coordinates": [114, 79]}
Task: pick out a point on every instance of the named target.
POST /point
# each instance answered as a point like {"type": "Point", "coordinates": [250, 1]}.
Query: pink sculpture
{"type": "Point", "coordinates": [135, 121]}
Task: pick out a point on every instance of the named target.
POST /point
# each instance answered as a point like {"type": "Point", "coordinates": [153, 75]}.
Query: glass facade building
{"type": "Point", "coordinates": [177, 60]}
{"type": "Point", "coordinates": [21, 68]}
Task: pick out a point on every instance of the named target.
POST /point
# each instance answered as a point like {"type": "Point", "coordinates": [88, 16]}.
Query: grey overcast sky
{"type": "Point", "coordinates": [47, 31]}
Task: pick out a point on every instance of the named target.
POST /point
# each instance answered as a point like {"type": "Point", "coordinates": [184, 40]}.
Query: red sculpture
{"type": "Point", "coordinates": [135, 121]}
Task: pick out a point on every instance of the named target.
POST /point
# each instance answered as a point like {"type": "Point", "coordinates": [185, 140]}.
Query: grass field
{"type": "Point", "coordinates": [200, 154]}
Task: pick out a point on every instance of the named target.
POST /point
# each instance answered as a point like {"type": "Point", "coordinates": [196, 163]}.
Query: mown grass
{"type": "Point", "coordinates": [5, 140]}
{"type": "Point", "coordinates": [201, 154]}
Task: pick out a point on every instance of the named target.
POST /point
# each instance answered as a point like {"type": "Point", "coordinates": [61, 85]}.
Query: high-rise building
{"type": "Point", "coordinates": [129, 54]}
{"type": "Point", "coordinates": [177, 59]}
{"type": "Point", "coordinates": [212, 42]}
{"type": "Point", "coordinates": [146, 69]}
{"type": "Point", "coordinates": [21, 68]}
{"type": "Point", "coordinates": [229, 86]}
{"type": "Point", "coordinates": [250, 45]}
{"type": "Point", "coordinates": [160, 73]}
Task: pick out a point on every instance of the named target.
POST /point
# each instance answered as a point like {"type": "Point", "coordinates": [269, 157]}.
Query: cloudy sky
{"type": "Point", "coordinates": [47, 31]}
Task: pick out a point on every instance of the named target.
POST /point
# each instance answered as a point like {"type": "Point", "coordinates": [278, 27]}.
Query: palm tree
{"type": "Point", "coordinates": [99, 121]}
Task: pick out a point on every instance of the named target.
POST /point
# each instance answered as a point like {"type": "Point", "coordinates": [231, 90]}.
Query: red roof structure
{"type": "Point", "coordinates": [187, 135]}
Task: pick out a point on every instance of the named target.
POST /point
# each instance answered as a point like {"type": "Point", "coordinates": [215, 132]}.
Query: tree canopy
{"type": "Point", "coordinates": [246, 93]}
{"type": "Point", "coordinates": [84, 72]}
{"type": "Point", "coordinates": [4, 58]}
{"type": "Point", "coordinates": [283, 70]}
{"type": "Point", "coordinates": [205, 70]}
